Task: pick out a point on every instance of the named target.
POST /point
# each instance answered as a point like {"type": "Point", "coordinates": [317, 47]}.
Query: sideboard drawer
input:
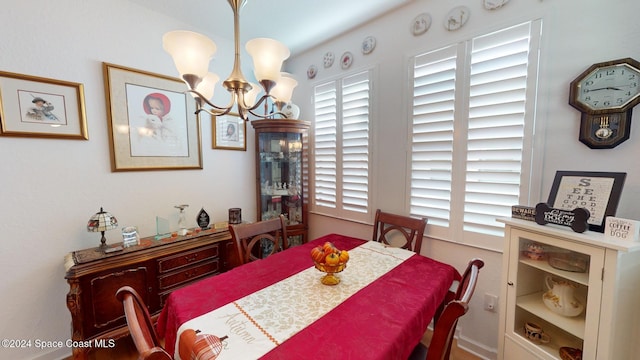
{"type": "Point", "coordinates": [189, 274]}
{"type": "Point", "coordinates": [171, 263]}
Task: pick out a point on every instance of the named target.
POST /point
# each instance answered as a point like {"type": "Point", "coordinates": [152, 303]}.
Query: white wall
{"type": "Point", "coordinates": [576, 34]}
{"type": "Point", "coordinates": [50, 187]}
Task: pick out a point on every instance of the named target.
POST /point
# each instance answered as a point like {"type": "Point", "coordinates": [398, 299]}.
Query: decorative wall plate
{"type": "Point", "coordinates": [456, 18]}
{"type": "Point", "coordinates": [421, 24]}
{"type": "Point", "coordinates": [312, 71]}
{"type": "Point", "coordinates": [291, 110]}
{"type": "Point", "coordinates": [346, 60]}
{"type": "Point", "coordinates": [328, 59]}
{"type": "Point", "coordinates": [494, 4]}
{"type": "Point", "coordinates": [368, 44]}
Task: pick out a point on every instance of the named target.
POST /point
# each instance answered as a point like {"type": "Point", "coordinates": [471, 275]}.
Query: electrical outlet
{"type": "Point", "coordinates": [490, 302]}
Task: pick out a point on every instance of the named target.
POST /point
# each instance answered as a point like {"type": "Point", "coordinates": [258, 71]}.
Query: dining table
{"type": "Point", "coordinates": [278, 308]}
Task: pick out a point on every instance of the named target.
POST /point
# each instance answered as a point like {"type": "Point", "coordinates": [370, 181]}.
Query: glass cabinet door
{"type": "Point", "coordinates": [280, 176]}
{"type": "Point", "coordinates": [281, 163]}
{"type": "Point", "coordinates": [554, 285]}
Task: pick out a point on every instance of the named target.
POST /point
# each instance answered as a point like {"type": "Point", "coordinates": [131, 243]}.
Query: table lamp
{"type": "Point", "coordinates": [102, 221]}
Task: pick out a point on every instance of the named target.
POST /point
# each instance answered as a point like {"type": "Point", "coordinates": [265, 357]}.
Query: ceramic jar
{"type": "Point", "coordinates": [560, 297]}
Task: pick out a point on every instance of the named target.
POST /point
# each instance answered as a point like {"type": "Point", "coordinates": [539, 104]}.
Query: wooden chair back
{"type": "Point", "coordinates": [469, 279]}
{"type": "Point", "coordinates": [442, 339]}
{"type": "Point", "coordinates": [387, 225]}
{"type": "Point", "coordinates": [446, 322]}
{"type": "Point", "coordinates": [250, 238]}
{"type": "Point", "coordinates": [140, 326]}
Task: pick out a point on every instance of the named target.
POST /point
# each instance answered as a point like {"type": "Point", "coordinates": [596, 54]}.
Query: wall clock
{"type": "Point", "coordinates": [606, 93]}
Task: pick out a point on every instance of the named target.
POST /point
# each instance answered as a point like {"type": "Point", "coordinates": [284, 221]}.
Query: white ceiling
{"type": "Point", "coordinates": [299, 24]}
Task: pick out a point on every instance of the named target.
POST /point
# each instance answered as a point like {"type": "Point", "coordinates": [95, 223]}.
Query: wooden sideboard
{"type": "Point", "coordinates": [154, 268]}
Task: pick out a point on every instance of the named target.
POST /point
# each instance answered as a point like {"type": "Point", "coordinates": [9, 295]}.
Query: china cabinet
{"type": "Point", "coordinates": [282, 173]}
{"type": "Point", "coordinates": [581, 289]}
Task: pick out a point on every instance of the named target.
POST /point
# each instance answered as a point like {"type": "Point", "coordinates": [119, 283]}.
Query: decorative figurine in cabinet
{"type": "Point", "coordinates": [282, 173]}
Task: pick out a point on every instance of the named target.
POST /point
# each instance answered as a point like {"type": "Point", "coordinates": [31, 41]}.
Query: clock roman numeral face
{"type": "Point", "coordinates": [610, 87]}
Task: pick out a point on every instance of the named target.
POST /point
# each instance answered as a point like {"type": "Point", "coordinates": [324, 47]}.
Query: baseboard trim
{"type": "Point", "coordinates": [480, 350]}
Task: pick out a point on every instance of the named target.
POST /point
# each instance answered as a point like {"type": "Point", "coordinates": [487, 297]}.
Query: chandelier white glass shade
{"type": "Point", "coordinates": [192, 53]}
{"type": "Point", "coordinates": [283, 91]}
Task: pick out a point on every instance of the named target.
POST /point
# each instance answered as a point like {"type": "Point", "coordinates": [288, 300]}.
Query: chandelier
{"type": "Point", "coordinates": [192, 52]}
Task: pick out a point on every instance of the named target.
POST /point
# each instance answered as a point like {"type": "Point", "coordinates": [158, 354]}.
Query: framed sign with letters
{"type": "Point", "coordinates": [598, 192]}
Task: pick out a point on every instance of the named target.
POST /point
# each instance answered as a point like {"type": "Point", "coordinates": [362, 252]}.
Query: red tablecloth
{"type": "Point", "coordinates": [382, 321]}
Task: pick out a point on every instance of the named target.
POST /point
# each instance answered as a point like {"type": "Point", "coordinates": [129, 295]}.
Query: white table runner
{"type": "Point", "coordinates": [262, 320]}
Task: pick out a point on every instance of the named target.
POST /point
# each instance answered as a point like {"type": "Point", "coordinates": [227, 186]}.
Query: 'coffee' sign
{"type": "Point", "coordinates": [621, 229]}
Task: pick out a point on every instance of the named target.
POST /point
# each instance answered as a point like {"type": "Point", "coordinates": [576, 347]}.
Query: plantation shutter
{"type": "Point", "coordinates": [432, 142]}
{"type": "Point", "coordinates": [341, 146]}
{"type": "Point", "coordinates": [472, 121]}
{"type": "Point", "coordinates": [325, 145]}
{"type": "Point", "coordinates": [497, 99]}
{"type": "Point", "coordinates": [355, 142]}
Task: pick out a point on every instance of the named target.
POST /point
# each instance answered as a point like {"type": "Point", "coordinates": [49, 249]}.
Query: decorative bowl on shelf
{"type": "Point", "coordinates": [569, 261]}
{"type": "Point", "coordinates": [330, 278]}
{"type": "Point", "coordinates": [568, 353]}
{"type": "Point", "coordinates": [535, 251]}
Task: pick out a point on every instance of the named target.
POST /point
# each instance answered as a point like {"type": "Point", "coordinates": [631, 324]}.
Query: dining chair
{"type": "Point", "coordinates": [260, 239]}
{"type": "Point", "coordinates": [440, 345]}
{"type": "Point", "coordinates": [446, 322]}
{"type": "Point", "coordinates": [140, 326]}
{"type": "Point", "coordinates": [387, 228]}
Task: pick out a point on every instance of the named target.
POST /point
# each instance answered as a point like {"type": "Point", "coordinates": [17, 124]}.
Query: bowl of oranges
{"type": "Point", "coordinates": [330, 260]}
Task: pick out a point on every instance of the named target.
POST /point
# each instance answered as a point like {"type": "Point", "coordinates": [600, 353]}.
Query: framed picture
{"type": "Point", "coordinates": [32, 106]}
{"type": "Point", "coordinates": [229, 132]}
{"type": "Point", "coordinates": [598, 192]}
{"type": "Point", "coordinates": [152, 121]}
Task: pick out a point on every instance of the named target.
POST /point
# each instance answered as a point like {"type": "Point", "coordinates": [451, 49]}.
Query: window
{"type": "Point", "coordinates": [341, 147]}
{"type": "Point", "coordinates": [472, 120]}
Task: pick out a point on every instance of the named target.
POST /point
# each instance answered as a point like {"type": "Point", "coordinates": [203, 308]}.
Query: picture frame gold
{"type": "Point", "coordinates": [32, 106]}
{"type": "Point", "coordinates": [152, 121]}
{"type": "Point", "coordinates": [598, 192]}
{"type": "Point", "coordinates": [229, 132]}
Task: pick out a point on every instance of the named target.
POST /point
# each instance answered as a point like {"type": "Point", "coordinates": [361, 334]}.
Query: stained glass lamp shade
{"type": "Point", "coordinates": [102, 221]}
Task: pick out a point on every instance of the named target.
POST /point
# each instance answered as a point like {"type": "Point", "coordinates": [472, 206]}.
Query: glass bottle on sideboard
{"type": "Point", "coordinates": [282, 174]}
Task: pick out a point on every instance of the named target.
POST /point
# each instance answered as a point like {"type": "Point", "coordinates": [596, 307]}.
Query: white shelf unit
{"type": "Point", "coordinates": [608, 328]}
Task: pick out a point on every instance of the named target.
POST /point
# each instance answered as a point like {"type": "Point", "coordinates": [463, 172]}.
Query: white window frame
{"type": "Point", "coordinates": [339, 211]}
{"type": "Point", "coordinates": [528, 178]}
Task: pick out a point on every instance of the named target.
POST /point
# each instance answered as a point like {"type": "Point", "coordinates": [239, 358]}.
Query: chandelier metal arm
{"type": "Point", "coordinates": [192, 68]}
{"type": "Point", "coordinates": [212, 113]}
{"type": "Point", "coordinates": [263, 99]}
{"type": "Point", "coordinates": [243, 109]}
{"type": "Point", "coordinates": [201, 98]}
{"type": "Point", "coordinates": [269, 115]}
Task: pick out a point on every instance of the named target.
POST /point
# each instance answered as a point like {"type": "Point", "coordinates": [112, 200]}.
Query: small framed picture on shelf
{"type": "Point", "coordinates": [229, 132]}
{"type": "Point", "coordinates": [598, 192]}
